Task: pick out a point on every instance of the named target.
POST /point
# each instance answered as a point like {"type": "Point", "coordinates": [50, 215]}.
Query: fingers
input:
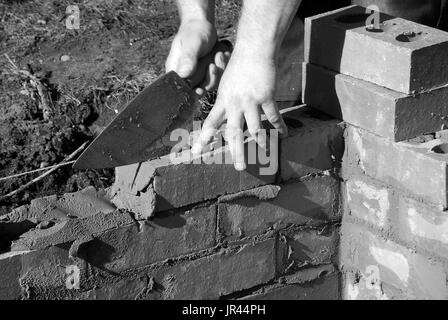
{"type": "Point", "coordinates": [214, 73]}
{"type": "Point", "coordinates": [275, 118]}
{"type": "Point", "coordinates": [209, 128]}
{"type": "Point", "coordinates": [252, 116]}
{"type": "Point", "coordinates": [235, 138]}
{"type": "Point", "coordinates": [211, 77]}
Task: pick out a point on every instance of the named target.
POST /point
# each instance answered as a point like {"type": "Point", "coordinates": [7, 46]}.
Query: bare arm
{"type": "Point", "coordinates": [196, 10]}
{"type": "Point", "coordinates": [263, 25]}
{"type": "Point", "coordinates": [248, 83]}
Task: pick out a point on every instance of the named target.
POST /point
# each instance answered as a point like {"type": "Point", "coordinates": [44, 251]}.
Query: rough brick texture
{"type": "Point", "coordinates": [310, 202]}
{"type": "Point", "coordinates": [405, 57]}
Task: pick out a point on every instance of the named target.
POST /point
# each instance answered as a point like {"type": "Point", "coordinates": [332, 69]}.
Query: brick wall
{"type": "Point", "coordinates": [393, 241]}
{"type": "Point", "coordinates": [189, 231]}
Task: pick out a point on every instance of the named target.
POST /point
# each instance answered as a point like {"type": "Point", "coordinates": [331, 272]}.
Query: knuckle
{"type": "Point", "coordinates": [254, 131]}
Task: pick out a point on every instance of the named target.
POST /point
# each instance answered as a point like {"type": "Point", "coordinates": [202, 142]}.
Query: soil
{"type": "Point", "coordinates": [60, 86]}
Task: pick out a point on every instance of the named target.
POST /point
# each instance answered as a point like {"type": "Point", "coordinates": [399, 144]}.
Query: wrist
{"type": "Point", "coordinates": [255, 51]}
{"type": "Point", "coordinates": [193, 10]}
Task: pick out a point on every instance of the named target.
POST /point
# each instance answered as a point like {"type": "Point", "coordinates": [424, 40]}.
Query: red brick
{"type": "Point", "coordinates": [411, 167]}
{"type": "Point", "coordinates": [168, 235]}
{"type": "Point", "coordinates": [387, 113]}
{"type": "Point", "coordinates": [325, 288]}
{"type": "Point", "coordinates": [308, 202]}
{"type": "Point", "coordinates": [397, 266]}
{"type": "Point", "coordinates": [316, 145]}
{"type": "Point", "coordinates": [378, 57]}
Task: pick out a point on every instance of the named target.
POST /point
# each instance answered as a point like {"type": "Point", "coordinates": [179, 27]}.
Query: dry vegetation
{"type": "Point", "coordinates": [60, 86]}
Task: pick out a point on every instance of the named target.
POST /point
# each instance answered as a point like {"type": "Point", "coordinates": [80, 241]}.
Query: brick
{"type": "Point", "coordinates": [311, 247]}
{"type": "Point", "coordinates": [127, 289]}
{"type": "Point", "coordinates": [423, 225]}
{"type": "Point", "coordinates": [11, 266]}
{"type": "Point", "coordinates": [178, 185]}
{"type": "Point", "coordinates": [308, 202]}
{"type": "Point", "coordinates": [81, 204]}
{"type": "Point", "coordinates": [386, 113]}
{"type": "Point", "coordinates": [378, 57]}
{"type": "Point", "coordinates": [412, 167]}
{"type": "Point", "coordinates": [168, 235]}
{"type": "Point", "coordinates": [396, 265]}
{"type": "Point", "coordinates": [417, 223]}
{"type": "Point", "coordinates": [44, 273]}
{"type": "Point", "coordinates": [369, 201]}
{"type": "Point", "coordinates": [366, 287]}
{"type": "Point", "coordinates": [73, 230]}
{"type": "Point", "coordinates": [325, 288]}
{"type": "Point", "coordinates": [229, 271]}
{"type": "Point", "coordinates": [314, 145]}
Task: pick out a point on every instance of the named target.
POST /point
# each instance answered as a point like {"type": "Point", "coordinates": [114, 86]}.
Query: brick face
{"type": "Point", "coordinates": [377, 57]}
{"type": "Point", "coordinates": [411, 167]}
{"type": "Point", "coordinates": [308, 202]}
{"type": "Point", "coordinates": [308, 247]}
{"type": "Point", "coordinates": [386, 113]}
{"type": "Point", "coordinates": [220, 274]}
{"type": "Point", "coordinates": [369, 287]}
{"type": "Point", "coordinates": [315, 146]}
{"type": "Point", "coordinates": [423, 226]}
{"type": "Point", "coordinates": [178, 185]}
{"type": "Point", "coordinates": [166, 236]}
{"type": "Point", "coordinates": [397, 266]}
{"type": "Point", "coordinates": [369, 201]}
{"type": "Point", "coordinates": [325, 288]}
{"type": "Point", "coordinates": [11, 266]}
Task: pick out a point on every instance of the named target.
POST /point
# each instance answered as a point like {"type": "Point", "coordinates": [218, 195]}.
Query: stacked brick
{"type": "Point", "coordinates": [189, 231]}
{"type": "Point", "coordinates": [390, 86]}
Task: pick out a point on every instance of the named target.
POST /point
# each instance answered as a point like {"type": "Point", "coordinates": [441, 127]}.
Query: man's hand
{"type": "Point", "coordinates": [246, 88]}
{"type": "Point", "coordinates": [248, 84]}
{"type": "Point", "coordinates": [194, 40]}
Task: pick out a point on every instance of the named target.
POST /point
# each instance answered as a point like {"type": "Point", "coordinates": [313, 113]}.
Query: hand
{"type": "Point", "coordinates": [247, 87]}
{"type": "Point", "coordinates": [194, 40]}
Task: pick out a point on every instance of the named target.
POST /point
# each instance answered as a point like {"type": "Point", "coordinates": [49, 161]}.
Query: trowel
{"type": "Point", "coordinates": [141, 131]}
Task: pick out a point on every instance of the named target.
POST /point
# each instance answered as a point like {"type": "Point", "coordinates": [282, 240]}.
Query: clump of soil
{"type": "Point", "coordinates": [59, 86]}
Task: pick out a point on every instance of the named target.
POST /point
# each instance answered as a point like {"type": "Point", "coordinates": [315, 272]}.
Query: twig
{"type": "Point", "coordinates": [46, 104]}
{"type": "Point", "coordinates": [65, 162]}
{"type": "Point", "coordinates": [36, 170]}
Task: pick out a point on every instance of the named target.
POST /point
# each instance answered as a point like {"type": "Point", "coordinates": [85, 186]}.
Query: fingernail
{"type": "Point", "coordinates": [240, 166]}
{"type": "Point", "coordinates": [196, 149]}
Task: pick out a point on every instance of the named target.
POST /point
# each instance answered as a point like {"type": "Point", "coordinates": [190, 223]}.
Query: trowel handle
{"type": "Point", "coordinates": [204, 62]}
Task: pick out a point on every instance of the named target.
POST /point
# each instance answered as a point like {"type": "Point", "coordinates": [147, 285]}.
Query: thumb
{"type": "Point", "coordinates": [187, 66]}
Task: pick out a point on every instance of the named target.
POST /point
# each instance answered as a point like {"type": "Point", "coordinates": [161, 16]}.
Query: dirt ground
{"type": "Point", "coordinates": [58, 87]}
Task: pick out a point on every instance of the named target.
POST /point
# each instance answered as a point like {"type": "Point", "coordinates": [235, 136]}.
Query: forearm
{"type": "Point", "coordinates": [263, 25]}
{"type": "Point", "coordinates": [196, 9]}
